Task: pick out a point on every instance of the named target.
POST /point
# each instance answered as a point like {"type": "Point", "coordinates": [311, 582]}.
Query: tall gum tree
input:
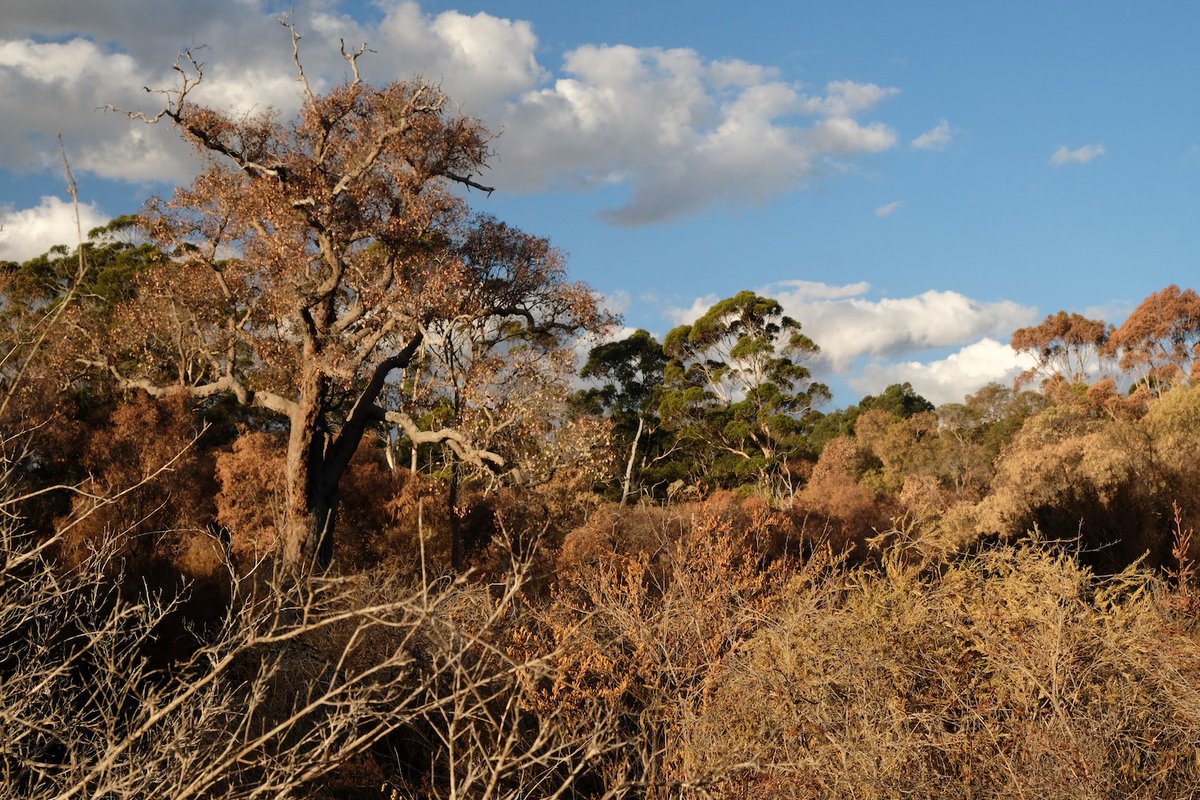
{"type": "Point", "coordinates": [311, 258]}
{"type": "Point", "coordinates": [736, 381]}
{"type": "Point", "coordinates": [1066, 348]}
{"type": "Point", "coordinates": [631, 372]}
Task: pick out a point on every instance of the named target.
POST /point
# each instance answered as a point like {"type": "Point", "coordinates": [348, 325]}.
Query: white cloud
{"type": "Point", "coordinates": [815, 290]}
{"type": "Point", "coordinates": [680, 132]}
{"type": "Point", "coordinates": [29, 232]}
{"type": "Point", "coordinates": [60, 87]}
{"type": "Point", "coordinates": [950, 379]}
{"type": "Point", "coordinates": [1114, 311]}
{"type": "Point", "coordinates": [889, 209]}
{"type": "Point", "coordinates": [845, 99]}
{"type": "Point", "coordinates": [937, 138]}
{"type": "Point", "coordinates": [848, 325]}
{"type": "Point", "coordinates": [616, 302]}
{"type": "Point", "coordinates": [698, 308]}
{"type": "Point", "coordinates": [1082, 155]}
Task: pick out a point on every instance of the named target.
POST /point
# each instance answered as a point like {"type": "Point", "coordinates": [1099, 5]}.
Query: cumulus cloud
{"type": "Point", "coordinates": [698, 308]}
{"type": "Point", "coordinates": [70, 82]}
{"type": "Point", "coordinates": [25, 233]}
{"type": "Point", "coordinates": [889, 209]}
{"type": "Point", "coordinates": [681, 132]}
{"type": "Point", "coordinates": [949, 379]}
{"type": "Point", "coordinates": [843, 99]}
{"type": "Point", "coordinates": [849, 325]}
{"type": "Point", "coordinates": [937, 138]}
{"type": "Point", "coordinates": [678, 131]}
{"type": "Point", "coordinates": [107, 52]}
{"type": "Point", "coordinates": [1082, 155]}
{"type": "Point", "coordinates": [798, 290]}
{"type": "Point", "coordinates": [877, 342]}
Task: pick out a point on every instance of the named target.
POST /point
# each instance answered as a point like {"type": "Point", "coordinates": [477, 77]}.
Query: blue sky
{"type": "Point", "coordinates": [913, 180]}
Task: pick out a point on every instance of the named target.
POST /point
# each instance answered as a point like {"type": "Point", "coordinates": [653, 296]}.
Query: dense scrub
{"type": "Point", "coordinates": [990, 599]}
{"type": "Point", "coordinates": [696, 654]}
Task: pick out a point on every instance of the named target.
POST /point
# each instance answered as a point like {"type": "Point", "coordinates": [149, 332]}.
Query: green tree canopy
{"type": "Point", "coordinates": [737, 385]}
{"type": "Point", "coordinates": [899, 400]}
{"type": "Point", "coordinates": [630, 372]}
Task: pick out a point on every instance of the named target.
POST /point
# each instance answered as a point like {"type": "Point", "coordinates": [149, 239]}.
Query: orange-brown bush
{"type": "Point", "coordinates": [249, 503]}
{"type": "Point", "coordinates": [835, 506]}
{"type": "Point", "coordinates": [650, 604]}
{"type": "Point", "coordinates": [145, 525]}
{"type": "Point", "coordinates": [653, 531]}
{"type": "Point", "coordinates": [685, 651]}
{"type": "Point", "coordinates": [379, 509]}
{"type": "Point", "coordinates": [1109, 479]}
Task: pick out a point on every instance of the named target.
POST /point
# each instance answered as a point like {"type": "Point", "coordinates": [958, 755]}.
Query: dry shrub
{"type": "Point", "coordinates": [638, 530]}
{"type": "Point", "coordinates": [251, 497]}
{"type": "Point", "coordinates": [1015, 673]}
{"type": "Point", "coordinates": [146, 526]}
{"type": "Point", "coordinates": [644, 630]}
{"type": "Point", "coordinates": [1069, 474]}
{"type": "Point", "coordinates": [1109, 480]}
{"type": "Point", "coordinates": [384, 514]}
{"type": "Point", "coordinates": [567, 497]}
{"type": "Point", "coordinates": [1183, 573]}
{"type": "Point", "coordinates": [379, 514]}
{"type": "Point", "coordinates": [834, 506]}
{"type": "Point", "coordinates": [900, 447]}
{"type": "Point", "coordinates": [369, 686]}
{"type": "Point", "coordinates": [1173, 427]}
{"type": "Point", "coordinates": [653, 531]}
{"type": "Point", "coordinates": [53, 430]}
{"type": "Point", "coordinates": [924, 498]}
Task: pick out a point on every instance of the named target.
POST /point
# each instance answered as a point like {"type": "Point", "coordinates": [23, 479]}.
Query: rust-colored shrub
{"type": "Point", "coordinates": [149, 499]}
{"type": "Point", "coordinates": [834, 507]}
{"type": "Point", "coordinates": [644, 630]}
{"type": "Point", "coordinates": [652, 531]}
{"type": "Point", "coordinates": [380, 513]}
{"type": "Point", "coordinates": [385, 515]}
{"type": "Point", "coordinates": [250, 500]}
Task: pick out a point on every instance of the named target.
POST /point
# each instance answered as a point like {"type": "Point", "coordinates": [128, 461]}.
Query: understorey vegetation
{"type": "Point", "coordinates": [303, 496]}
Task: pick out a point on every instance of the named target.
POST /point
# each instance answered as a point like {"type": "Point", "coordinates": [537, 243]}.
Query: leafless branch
{"type": "Point", "coordinates": [467, 181]}
{"type": "Point", "coordinates": [352, 58]}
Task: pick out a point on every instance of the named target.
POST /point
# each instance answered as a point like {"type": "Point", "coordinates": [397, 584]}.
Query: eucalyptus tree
{"type": "Point", "coordinates": [1067, 349]}
{"type": "Point", "coordinates": [630, 372]}
{"type": "Point", "coordinates": [737, 384]}
{"type": "Point", "coordinates": [1159, 342]}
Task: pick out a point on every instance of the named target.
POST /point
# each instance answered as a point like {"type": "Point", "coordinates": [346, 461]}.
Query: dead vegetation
{"type": "Point", "coordinates": [681, 652]}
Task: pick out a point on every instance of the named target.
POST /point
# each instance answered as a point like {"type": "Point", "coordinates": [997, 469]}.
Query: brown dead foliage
{"type": "Point", "coordinates": [147, 524]}
{"type": "Point", "coordinates": [835, 506]}
{"type": "Point", "coordinates": [649, 604]}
